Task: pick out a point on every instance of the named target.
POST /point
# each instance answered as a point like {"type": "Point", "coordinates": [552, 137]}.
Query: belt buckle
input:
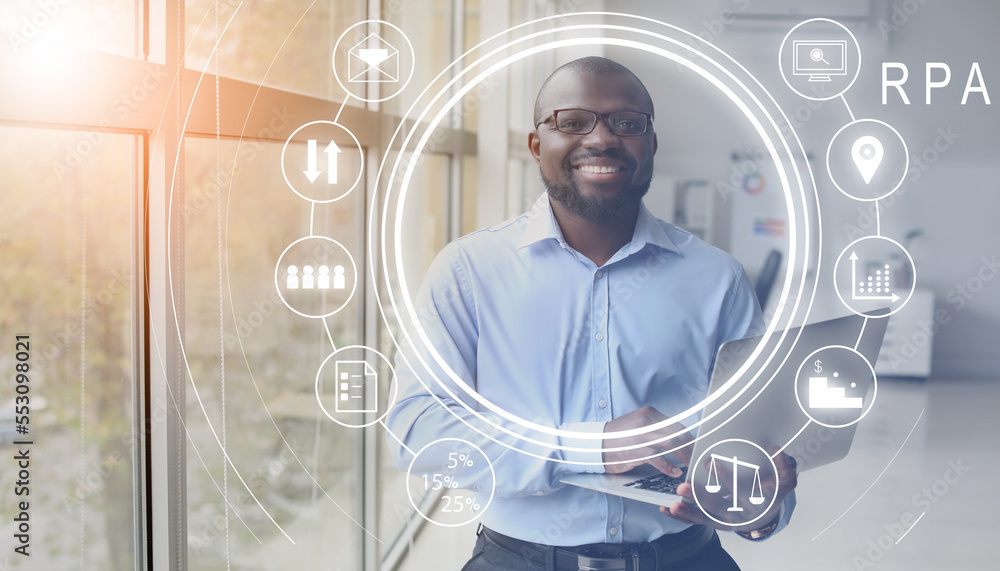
{"type": "Point", "coordinates": [587, 563]}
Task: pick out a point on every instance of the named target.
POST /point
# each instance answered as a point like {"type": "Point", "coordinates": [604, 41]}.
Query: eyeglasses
{"type": "Point", "coordinates": [582, 122]}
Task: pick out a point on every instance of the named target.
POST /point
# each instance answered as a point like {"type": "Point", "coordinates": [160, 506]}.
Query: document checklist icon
{"type": "Point", "coordinates": [357, 383]}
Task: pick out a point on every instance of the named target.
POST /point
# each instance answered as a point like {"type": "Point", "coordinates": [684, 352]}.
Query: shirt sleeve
{"type": "Point", "coordinates": [432, 403]}
{"type": "Point", "coordinates": [741, 316]}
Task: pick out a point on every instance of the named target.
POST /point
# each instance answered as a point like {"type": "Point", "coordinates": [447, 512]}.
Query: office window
{"type": "Point", "coordinates": [472, 37]}
{"type": "Point", "coordinates": [66, 234]}
{"type": "Point", "coordinates": [302, 467]}
{"type": "Point", "coordinates": [100, 25]}
{"type": "Point", "coordinates": [425, 228]}
{"type": "Point", "coordinates": [302, 491]}
{"type": "Point", "coordinates": [281, 44]}
{"type": "Point", "coordinates": [428, 25]}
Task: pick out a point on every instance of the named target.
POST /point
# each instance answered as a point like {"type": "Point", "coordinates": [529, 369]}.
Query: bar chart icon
{"type": "Point", "coordinates": [875, 287]}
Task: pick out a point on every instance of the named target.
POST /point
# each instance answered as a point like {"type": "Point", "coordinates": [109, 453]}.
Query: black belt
{"type": "Point", "coordinates": [666, 550]}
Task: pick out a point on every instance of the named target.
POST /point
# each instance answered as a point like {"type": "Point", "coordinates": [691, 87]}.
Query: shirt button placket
{"type": "Point", "coordinates": [599, 325]}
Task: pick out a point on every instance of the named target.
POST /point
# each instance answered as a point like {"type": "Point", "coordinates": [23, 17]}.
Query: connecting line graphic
{"type": "Point", "coordinates": [884, 470]}
{"type": "Point", "coordinates": [342, 105]}
{"type": "Point", "coordinates": [864, 325]}
{"type": "Point", "coordinates": [792, 439]}
{"type": "Point", "coordinates": [328, 334]}
{"type": "Point", "coordinates": [849, 112]}
{"type": "Point", "coordinates": [878, 220]}
{"type": "Point", "coordinates": [922, 514]}
{"type": "Point", "coordinates": [396, 438]}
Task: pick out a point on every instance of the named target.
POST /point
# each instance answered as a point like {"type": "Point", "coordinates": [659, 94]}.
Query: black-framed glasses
{"type": "Point", "coordinates": [582, 122]}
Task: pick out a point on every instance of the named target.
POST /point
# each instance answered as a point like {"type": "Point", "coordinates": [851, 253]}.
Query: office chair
{"type": "Point", "coordinates": [765, 280]}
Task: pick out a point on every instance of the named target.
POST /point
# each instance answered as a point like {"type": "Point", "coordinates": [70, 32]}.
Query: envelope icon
{"type": "Point", "coordinates": [373, 60]}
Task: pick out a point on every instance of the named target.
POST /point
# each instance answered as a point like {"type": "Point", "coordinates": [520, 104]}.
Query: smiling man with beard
{"type": "Point", "coordinates": [543, 320]}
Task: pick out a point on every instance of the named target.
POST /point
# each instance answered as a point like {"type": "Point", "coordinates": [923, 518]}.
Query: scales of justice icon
{"type": "Point", "coordinates": [712, 486]}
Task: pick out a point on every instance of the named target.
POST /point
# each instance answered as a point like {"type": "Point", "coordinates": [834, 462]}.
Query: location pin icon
{"type": "Point", "coordinates": [867, 153]}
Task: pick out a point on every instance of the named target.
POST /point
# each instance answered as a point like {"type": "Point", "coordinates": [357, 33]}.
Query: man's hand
{"type": "Point", "coordinates": [717, 504]}
{"type": "Point", "coordinates": [618, 461]}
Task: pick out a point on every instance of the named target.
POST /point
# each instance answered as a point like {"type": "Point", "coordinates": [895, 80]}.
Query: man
{"type": "Point", "coordinates": [585, 315]}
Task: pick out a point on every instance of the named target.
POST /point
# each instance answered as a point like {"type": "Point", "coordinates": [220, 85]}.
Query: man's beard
{"type": "Point", "coordinates": [596, 209]}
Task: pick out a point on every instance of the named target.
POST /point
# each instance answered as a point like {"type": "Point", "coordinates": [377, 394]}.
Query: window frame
{"type": "Point", "coordinates": [158, 126]}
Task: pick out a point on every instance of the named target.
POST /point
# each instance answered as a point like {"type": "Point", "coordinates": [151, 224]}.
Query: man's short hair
{"type": "Point", "coordinates": [590, 65]}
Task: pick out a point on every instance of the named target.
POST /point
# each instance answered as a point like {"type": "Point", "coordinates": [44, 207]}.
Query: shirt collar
{"type": "Point", "coordinates": [541, 225]}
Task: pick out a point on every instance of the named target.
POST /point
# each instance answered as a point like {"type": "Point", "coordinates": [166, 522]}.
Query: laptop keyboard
{"type": "Point", "coordinates": [659, 482]}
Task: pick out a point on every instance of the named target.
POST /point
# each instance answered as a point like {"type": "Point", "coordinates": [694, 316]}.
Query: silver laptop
{"type": "Point", "coordinates": [771, 412]}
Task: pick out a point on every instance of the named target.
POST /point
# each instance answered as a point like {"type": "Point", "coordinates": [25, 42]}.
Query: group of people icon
{"type": "Point", "coordinates": [321, 281]}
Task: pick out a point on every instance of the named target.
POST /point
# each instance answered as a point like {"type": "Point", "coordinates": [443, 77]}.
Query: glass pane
{"type": "Point", "coordinates": [425, 223]}
{"type": "Point", "coordinates": [303, 469]}
{"type": "Point", "coordinates": [470, 119]}
{"type": "Point", "coordinates": [102, 25]}
{"type": "Point", "coordinates": [67, 281]}
{"type": "Point", "coordinates": [428, 25]}
{"type": "Point", "coordinates": [282, 44]}
{"type": "Point", "coordinates": [470, 192]}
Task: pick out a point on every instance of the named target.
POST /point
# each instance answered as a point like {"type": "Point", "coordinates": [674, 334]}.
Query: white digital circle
{"type": "Point", "coordinates": [786, 154]}
{"type": "Point", "coordinates": [455, 462]}
{"type": "Point", "coordinates": [872, 273]}
{"type": "Point", "coordinates": [349, 388]}
{"type": "Point", "coordinates": [727, 482]}
{"type": "Point", "coordinates": [322, 171]}
{"type": "Point", "coordinates": [835, 386]}
{"type": "Point", "coordinates": [315, 276]}
{"type": "Point", "coordinates": [375, 56]}
{"type": "Point", "coordinates": [867, 160]}
{"type": "Point", "coordinates": [819, 59]}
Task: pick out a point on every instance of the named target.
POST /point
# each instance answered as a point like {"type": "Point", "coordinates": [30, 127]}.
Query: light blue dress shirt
{"type": "Point", "coordinates": [537, 329]}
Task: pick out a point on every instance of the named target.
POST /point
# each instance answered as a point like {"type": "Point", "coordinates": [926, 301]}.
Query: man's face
{"type": "Point", "coordinates": [599, 176]}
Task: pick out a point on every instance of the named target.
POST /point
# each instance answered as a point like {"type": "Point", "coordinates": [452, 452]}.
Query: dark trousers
{"type": "Point", "coordinates": [488, 556]}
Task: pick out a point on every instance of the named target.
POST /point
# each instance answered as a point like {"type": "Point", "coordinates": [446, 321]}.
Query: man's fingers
{"type": "Point", "coordinates": [665, 466]}
{"type": "Point", "coordinates": [682, 512]}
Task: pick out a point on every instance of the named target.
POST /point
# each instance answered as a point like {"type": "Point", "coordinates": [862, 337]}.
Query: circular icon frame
{"type": "Point", "coordinates": [336, 72]}
{"type": "Point", "coordinates": [278, 275]}
{"type": "Point", "coordinates": [838, 280]}
{"type": "Point", "coordinates": [361, 162]}
{"type": "Point", "coordinates": [696, 467]}
{"type": "Point", "coordinates": [871, 401]}
{"type": "Point", "coordinates": [493, 486]}
{"type": "Point", "coordinates": [816, 22]}
{"type": "Point", "coordinates": [378, 413]}
{"type": "Point", "coordinates": [840, 181]}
